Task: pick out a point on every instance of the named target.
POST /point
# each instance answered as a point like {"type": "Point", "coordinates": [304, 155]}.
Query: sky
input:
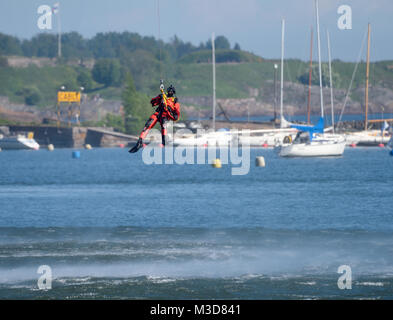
{"type": "Point", "coordinates": [254, 24]}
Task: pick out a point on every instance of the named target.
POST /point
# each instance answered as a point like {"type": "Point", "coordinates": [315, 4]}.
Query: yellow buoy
{"type": "Point", "coordinates": [216, 163]}
{"type": "Point", "coordinates": [88, 147]}
{"type": "Point", "coordinates": [260, 161]}
{"type": "Point", "coordinates": [51, 147]}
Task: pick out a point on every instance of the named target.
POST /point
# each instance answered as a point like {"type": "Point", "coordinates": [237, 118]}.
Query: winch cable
{"type": "Point", "coordinates": [159, 42]}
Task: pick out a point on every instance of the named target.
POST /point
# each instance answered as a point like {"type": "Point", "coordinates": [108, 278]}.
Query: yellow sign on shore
{"type": "Point", "coordinates": [68, 96]}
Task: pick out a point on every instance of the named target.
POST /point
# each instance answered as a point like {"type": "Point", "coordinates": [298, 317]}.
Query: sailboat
{"type": "Point", "coordinates": [311, 141]}
{"type": "Point", "coordinates": [213, 138]}
{"type": "Point", "coordinates": [368, 137]}
{"type": "Point", "coordinates": [273, 137]}
{"type": "Point", "coordinates": [222, 137]}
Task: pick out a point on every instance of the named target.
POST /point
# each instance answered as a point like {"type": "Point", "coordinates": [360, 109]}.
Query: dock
{"type": "Point", "coordinates": [75, 137]}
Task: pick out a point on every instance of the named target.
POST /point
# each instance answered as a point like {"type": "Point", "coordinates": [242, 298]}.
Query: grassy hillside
{"type": "Point", "coordinates": [233, 80]}
{"type": "Point", "coordinates": [16, 83]}
{"type": "Point", "coordinates": [191, 79]}
{"type": "Point", "coordinates": [148, 60]}
{"type": "Point", "coordinates": [234, 56]}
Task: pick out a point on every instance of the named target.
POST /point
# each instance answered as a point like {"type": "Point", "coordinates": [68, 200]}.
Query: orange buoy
{"type": "Point", "coordinates": [353, 145]}
{"type": "Point", "coordinates": [265, 145]}
{"type": "Point", "coordinates": [121, 145]}
{"type": "Point", "coordinates": [381, 145]}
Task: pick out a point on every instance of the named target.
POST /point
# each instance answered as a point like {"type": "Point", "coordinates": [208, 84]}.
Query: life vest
{"type": "Point", "coordinates": [173, 107]}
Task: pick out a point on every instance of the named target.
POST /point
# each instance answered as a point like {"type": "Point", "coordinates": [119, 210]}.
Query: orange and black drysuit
{"type": "Point", "coordinates": [163, 114]}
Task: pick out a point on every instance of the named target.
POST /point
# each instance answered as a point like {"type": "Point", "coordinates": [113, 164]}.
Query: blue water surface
{"type": "Point", "coordinates": [110, 187]}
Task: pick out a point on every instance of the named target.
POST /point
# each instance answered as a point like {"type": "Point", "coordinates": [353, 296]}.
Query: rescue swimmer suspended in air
{"type": "Point", "coordinates": [168, 109]}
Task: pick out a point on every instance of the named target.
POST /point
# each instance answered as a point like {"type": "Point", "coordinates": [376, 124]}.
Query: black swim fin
{"type": "Point", "coordinates": [137, 146]}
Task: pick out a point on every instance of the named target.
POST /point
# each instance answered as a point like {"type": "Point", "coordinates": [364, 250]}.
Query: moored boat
{"type": "Point", "coordinates": [18, 142]}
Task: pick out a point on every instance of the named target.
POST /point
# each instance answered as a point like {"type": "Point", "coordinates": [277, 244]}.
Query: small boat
{"type": "Point", "coordinates": [222, 138]}
{"type": "Point", "coordinates": [312, 141]}
{"type": "Point", "coordinates": [369, 138]}
{"type": "Point", "coordinates": [321, 145]}
{"type": "Point", "coordinates": [267, 138]}
{"type": "Point", "coordinates": [18, 142]}
{"type": "Point", "coordinates": [366, 137]}
{"type": "Point", "coordinates": [251, 138]}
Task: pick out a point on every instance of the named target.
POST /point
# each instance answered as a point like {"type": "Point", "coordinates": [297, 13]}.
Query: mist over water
{"type": "Point", "coordinates": [111, 227]}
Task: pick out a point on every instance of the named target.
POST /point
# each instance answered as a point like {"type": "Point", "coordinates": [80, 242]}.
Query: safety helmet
{"type": "Point", "coordinates": [171, 91]}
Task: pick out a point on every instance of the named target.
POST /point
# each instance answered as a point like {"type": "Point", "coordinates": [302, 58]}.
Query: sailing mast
{"type": "Point", "coordinates": [282, 73]}
{"type": "Point", "coordinates": [367, 77]}
{"type": "Point", "coordinates": [367, 81]}
{"type": "Point", "coordinates": [214, 84]}
{"type": "Point", "coordinates": [319, 58]}
{"type": "Point", "coordinates": [330, 76]}
{"type": "Point", "coordinates": [59, 36]}
{"type": "Point", "coordinates": [309, 80]}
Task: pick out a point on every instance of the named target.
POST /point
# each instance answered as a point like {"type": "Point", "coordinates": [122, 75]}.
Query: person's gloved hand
{"type": "Point", "coordinates": [155, 101]}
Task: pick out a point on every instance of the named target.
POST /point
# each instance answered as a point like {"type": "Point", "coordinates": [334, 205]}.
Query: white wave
{"type": "Point", "coordinates": [370, 283]}
{"type": "Point", "coordinates": [308, 283]}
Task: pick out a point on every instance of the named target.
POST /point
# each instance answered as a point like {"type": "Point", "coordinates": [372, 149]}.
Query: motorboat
{"type": "Point", "coordinates": [18, 142]}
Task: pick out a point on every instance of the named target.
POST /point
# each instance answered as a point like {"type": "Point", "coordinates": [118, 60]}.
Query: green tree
{"type": "Point", "coordinates": [32, 96]}
{"type": "Point", "coordinates": [71, 84]}
{"type": "Point", "coordinates": [220, 42]}
{"type": "Point", "coordinates": [74, 46]}
{"type": "Point", "coordinates": [84, 80]}
{"type": "Point", "coordinates": [304, 78]}
{"type": "Point", "coordinates": [9, 45]}
{"type": "Point", "coordinates": [107, 72]}
{"type": "Point", "coordinates": [114, 121]}
{"type": "Point", "coordinates": [41, 45]}
{"type": "Point", "coordinates": [143, 65]}
{"type": "Point", "coordinates": [136, 107]}
{"type": "Point", "coordinates": [236, 47]}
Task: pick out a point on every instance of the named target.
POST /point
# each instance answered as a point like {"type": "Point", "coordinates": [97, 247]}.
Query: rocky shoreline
{"type": "Point", "coordinates": [259, 103]}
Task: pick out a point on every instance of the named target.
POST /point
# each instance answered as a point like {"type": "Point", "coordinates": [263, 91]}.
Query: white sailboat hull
{"type": "Point", "coordinates": [261, 137]}
{"type": "Point", "coordinates": [189, 142]}
{"type": "Point", "coordinates": [210, 139]}
{"type": "Point", "coordinates": [271, 139]}
{"type": "Point", "coordinates": [313, 149]}
{"type": "Point", "coordinates": [367, 138]}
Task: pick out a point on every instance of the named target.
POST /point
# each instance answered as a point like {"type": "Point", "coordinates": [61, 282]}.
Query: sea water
{"type": "Point", "coordinates": [110, 226]}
